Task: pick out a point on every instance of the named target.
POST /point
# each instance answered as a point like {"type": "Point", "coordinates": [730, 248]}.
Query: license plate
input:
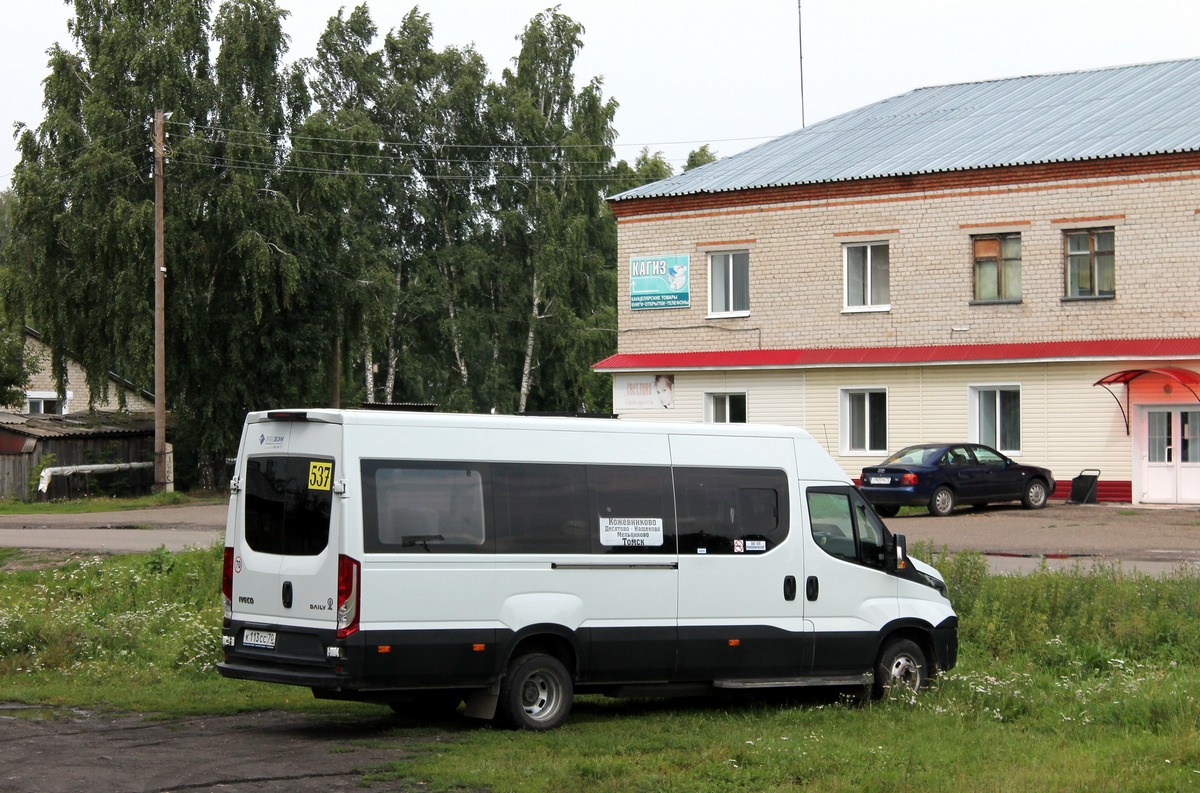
{"type": "Point", "coordinates": [265, 639]}
{"type": "Point", "coordinates": [879, 480]}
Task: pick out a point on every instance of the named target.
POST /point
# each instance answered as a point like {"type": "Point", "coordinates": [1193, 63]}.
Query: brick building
{"type": "Point", "coordinates": [1010, 262]}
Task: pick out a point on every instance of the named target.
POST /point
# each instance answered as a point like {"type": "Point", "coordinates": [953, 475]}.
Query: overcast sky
{"type": "Point", "coordinates": [722, 72]}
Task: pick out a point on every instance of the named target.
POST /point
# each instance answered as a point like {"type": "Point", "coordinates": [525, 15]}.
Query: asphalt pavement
{"type": "Point", "coordinates": [1151, 540]}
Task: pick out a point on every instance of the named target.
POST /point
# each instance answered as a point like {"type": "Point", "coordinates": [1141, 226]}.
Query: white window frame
{"type": "Point", "coordinates": [726, 259]}
{"type": "Point", "coordinates": [845, 400]}
{"type": "Point", "coordinates": [869, 276]}
{"type": "Point", "coordinates": [975, 415]}
{"type": "Point", "coordinates": [41, 397]}
{"type": "Point", "coordinates": [711, 406]}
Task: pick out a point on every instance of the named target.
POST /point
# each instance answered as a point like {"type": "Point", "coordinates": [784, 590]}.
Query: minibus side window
{"type": "Point", "coordinates": [540, 508]}
{"type": "Point", "coordinates": [632, 510]}
{"type": "Point", "coordinates": [421, 507]}
{"type": "Point", "coordinates": [287, 505]}
{"type": "Point", "coordinates": [845, 527]}
{"type": "Point", "coordinates": [731, 511]}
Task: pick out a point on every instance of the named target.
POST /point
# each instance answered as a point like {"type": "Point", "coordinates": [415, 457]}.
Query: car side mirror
{"type": "Point", "coordinates": [897, 557]}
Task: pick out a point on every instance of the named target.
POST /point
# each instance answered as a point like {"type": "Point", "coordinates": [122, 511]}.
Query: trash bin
{"type": "Point", "coordinates": [1083, 487]}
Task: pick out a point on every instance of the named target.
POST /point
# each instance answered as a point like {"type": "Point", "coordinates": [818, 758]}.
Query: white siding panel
{"type": "Point", "coordinates": [1067, 424]}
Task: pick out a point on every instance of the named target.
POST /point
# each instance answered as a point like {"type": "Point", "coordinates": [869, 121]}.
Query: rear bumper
{"type": "Point", "coordinates": [894, 496]}
{"type": "Point", "coordinates": [311, 658]}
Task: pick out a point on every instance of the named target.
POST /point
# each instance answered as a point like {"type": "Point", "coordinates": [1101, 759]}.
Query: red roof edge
{"type": "Point", "coordinates": [1106, 349]}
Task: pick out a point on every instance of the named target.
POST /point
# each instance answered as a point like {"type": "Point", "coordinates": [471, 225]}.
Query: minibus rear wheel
{"type": "Point", "coordinates": [536, 693]}
{"type": "Point", "coordinates": [901, 667]}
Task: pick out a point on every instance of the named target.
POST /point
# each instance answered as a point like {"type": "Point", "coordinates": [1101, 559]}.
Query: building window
{"type": "Point", "coordinates": [998, 416]}
{"type": "Point", "coordinates": [1091, 269]}
{"type": "Point", "coordinates": [997, 267]}
{"type": "Point", "coordinates": [51, 406]}
{"type": "Point", "coordinates": [727, 408]}
{"type": "Point", "coordinates": [865, 420]}
{"type": "Point", "coordinates": [867, 277]}
{"type": "Point", "coordinates": [729, 283]}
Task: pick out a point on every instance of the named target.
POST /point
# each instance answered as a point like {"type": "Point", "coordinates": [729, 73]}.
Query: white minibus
{"type": "Point", "coordinates": [426, 559]}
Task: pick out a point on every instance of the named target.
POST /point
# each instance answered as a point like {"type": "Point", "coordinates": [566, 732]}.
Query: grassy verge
{"type": "Point", "coordinates": [78, 506]}
{"type": "Point", "coordinates": [1083, 679]}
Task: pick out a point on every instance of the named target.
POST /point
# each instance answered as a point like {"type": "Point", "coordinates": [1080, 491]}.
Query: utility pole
{"type": "Point", "coordinates": [800, 39]}
{"type": "Point", "coordinates": [163, 474]}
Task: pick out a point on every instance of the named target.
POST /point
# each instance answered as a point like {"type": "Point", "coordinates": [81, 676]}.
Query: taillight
{"type": "Point", "coordinates": [908, 479]}
{"type": "Point", "coordinates": [227, 583]}
{"type": "Point", "coordinates": [348, 595]}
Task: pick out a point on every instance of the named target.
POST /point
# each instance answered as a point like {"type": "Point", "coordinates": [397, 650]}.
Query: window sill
{"type": "Point", "coordinates": [1087, 298]}
{"type": "Point", "coordinates": [1016, 302]}
{"type": "Point", "coordinates": [866, 309]}
{"type": "Point", "coordinates": [729, 315]}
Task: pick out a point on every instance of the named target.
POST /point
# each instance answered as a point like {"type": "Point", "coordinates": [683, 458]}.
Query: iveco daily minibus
{"type": "Point", "coordinates": [422, 559]}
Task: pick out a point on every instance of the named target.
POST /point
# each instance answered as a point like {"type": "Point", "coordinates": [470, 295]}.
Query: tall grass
{"type": "Point", "coordinates": [1083, 679]}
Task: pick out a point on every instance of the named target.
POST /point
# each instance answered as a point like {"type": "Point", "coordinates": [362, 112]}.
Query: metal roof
{"type": "Point", "coordinates": [94, 425]}
{"type": "Point", "coordinates": [1121, 111]}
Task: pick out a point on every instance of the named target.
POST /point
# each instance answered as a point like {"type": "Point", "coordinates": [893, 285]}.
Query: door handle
{"type": "Point", "coordinates": [789, 587]}
{"type": "Point", "coordinates": [287, 594]}
{"type": "Point", "coordinates": [811, 588]}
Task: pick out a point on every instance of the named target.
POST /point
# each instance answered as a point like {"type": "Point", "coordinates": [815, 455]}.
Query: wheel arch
{"type": "Point", "coordinates": [916, 631]}
{"type": "Point", "coordinates": [549, 638]}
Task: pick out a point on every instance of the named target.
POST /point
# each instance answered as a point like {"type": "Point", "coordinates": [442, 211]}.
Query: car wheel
{"type": "Point", "coordinates": [901, 667]}
{"type": "Point", "coordinates": [1035, 495]}
{"type": "Point", "coordinates": [536, 693]}
{"type": "Point", "coordinates": [941, 503]}
{"type": "Point", "coordinates": [886, 510]}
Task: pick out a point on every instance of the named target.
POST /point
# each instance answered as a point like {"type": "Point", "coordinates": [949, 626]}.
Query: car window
{"type": "Point", "coordinates": [957, 456]}
{"type": "Point", "coordinates": [988, 457]}
{"type": "Point", "coordinates": [913, 455]}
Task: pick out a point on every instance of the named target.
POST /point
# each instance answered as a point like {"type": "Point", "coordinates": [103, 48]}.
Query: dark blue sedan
{"type": "Point", "coordinates": [941, 476]}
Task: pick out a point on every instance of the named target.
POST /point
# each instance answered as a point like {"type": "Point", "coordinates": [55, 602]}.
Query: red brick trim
{"type": "Point", "coordinates": [1126, 170]}
{"type": "Point", "coordinates": [965, 226]}
{"type": "Point", "coordinates": [1095, 219]}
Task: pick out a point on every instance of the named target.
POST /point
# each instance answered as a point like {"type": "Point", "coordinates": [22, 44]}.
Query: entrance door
{"type": "Point", "coordinates": [1171, 456]}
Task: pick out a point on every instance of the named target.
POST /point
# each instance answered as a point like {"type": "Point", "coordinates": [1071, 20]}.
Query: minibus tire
{"type": "Point", "coordinates": [901, 667]}
{"type": "Point", "coordinates": [536, 693]}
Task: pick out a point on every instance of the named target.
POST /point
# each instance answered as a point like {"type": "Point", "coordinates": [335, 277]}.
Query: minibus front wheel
{"type": "Point", "coordinates": [536, 693]}
{"type": "Point", "coordinates": [901, 667]}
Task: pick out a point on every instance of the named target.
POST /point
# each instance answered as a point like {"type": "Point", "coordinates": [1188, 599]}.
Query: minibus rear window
{"type": "Point", "coordinates": [287, 504]}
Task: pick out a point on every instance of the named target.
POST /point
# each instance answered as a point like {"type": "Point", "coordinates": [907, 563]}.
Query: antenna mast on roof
{"type": "Point", "coordinates": [800, 37]}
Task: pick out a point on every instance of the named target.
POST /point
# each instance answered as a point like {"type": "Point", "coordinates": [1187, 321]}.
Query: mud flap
{"type": "Point", "coordinates": [482, 702]}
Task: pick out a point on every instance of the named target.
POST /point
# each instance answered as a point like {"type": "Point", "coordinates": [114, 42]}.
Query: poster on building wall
{"type": "Point", "coordinates": [643, 392]}
{"type": "Point", "coordinates": [660, 282]}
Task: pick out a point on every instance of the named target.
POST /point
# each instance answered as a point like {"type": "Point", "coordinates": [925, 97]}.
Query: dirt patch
{"type": "Point", "coordinates": [42, 558]}
{"type": "Point", "coordinates": [56, 751]}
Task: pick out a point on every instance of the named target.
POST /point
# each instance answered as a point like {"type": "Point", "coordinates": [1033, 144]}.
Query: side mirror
{"type": "Point", "coordinates": [898, 559]}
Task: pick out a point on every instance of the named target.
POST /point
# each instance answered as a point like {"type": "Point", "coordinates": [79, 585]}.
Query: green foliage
{"type": "Point", "coordinates": [701, 156]}
{"type": "Point", "coordinates": [141, 617]}
{"type": "Point", "coordinates": [382, 205]}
